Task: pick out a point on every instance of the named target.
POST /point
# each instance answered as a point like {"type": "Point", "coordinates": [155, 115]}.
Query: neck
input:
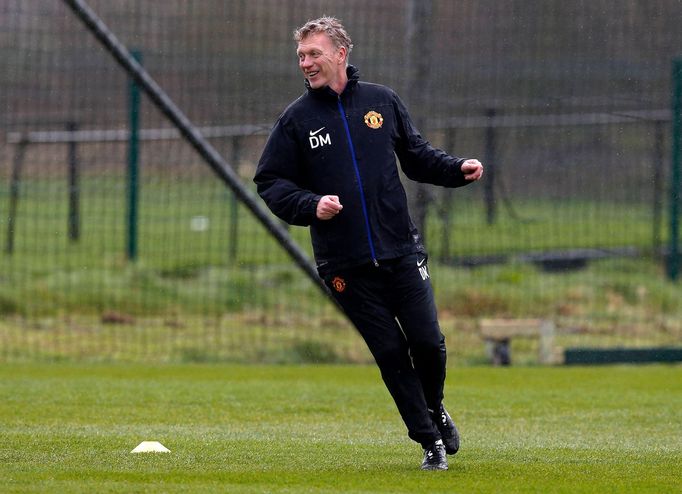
{"type": "Point", "coordinates": [340, 83]}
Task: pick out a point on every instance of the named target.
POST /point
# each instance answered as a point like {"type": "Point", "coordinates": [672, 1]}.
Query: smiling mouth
{"type": "Point", "coordinates": [312, 74]}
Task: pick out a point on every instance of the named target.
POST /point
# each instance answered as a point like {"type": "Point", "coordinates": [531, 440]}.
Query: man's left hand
{"type": "Point", "coordinates": [472, 170]}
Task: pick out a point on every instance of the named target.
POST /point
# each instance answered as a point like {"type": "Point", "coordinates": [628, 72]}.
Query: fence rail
{"type": "Point", "coordinates": [456, 123]}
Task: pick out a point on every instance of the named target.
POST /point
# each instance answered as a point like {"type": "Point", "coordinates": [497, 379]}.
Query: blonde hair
{"type": "Point", "coordinates": [330, 26]}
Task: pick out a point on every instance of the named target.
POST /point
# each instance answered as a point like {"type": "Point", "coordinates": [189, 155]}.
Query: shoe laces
{"type": "Point", "coordinates": [431, 450]}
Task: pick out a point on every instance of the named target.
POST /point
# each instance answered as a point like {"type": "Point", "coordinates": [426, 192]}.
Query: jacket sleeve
{"type": "Point", "coordinates": [419, 160]}
{"type": "Point", "coordinates": [280, 181]}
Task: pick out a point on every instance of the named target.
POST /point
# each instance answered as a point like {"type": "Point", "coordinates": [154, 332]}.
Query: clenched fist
{"type": "Point", "coordinates": [328, 207]}
{"type": "Point", "coordinates": [472, 169]}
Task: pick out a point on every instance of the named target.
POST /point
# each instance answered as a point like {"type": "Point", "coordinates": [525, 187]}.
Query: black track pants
{"type": "Point", "coordinates": [392, 307]}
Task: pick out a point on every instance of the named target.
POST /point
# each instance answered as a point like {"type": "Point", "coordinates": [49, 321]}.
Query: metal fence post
{"type": "Point", "coordinates": [15, 184]}
{"type": "Point", "coordinates": [234, 203]}
{"type": "Point", "coordinates": [489, 183]}
{"type": "Point", "coordinates": [676, 174]}
{"type": "Point", "coordinates": [658, 184]}
{"type": "Point", "coordinates": [74, 185]}
{"type": "Point", "coordinates": [133, 162]}
{"type": "Point", "coordinates": [447, 198]}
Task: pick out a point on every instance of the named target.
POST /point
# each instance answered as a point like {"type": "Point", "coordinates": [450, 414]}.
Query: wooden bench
{"type": "Point", "coordinates": [498, 333]}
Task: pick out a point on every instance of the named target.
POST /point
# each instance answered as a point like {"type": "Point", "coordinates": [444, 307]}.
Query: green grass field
{"type": "Point", "coordinates": [333, 429]}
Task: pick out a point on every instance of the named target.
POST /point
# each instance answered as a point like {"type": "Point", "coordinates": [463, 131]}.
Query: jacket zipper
{"type": "Point", "coordinates": [357, 175]}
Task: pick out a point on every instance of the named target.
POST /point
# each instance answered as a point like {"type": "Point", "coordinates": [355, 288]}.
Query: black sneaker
{"type": "Point", "coordinates": [434, 457]}
{"type": "Point", "coordinates": [448, 430]}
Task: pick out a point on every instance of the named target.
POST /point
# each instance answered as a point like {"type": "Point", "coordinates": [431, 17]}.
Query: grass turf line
{"type": "Point", "coordinates": [70, 427]}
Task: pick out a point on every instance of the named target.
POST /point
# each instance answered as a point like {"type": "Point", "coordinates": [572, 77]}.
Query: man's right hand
{"type": "Point", "coordinates": [328, 207]}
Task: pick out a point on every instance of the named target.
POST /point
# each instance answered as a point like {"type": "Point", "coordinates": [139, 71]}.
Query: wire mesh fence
{"type": "Point", "coordinates": [567, 104]}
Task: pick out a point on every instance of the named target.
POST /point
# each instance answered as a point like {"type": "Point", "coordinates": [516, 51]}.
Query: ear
{"type": "Point", "coordinates": [342, 54]}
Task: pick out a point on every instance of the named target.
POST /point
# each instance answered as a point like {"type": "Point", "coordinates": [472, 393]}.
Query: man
{"type": "Point", "coordinates": [330, 164]}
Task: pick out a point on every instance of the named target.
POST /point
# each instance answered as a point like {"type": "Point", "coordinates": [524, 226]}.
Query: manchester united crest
{"type": "Point", "coordinates": [339, 284]}
{"type": "Point", "coordinates": [374, 120]}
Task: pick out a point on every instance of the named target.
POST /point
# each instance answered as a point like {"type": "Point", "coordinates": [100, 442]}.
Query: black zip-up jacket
{"type": "Point", "coordinates": [345, 145]}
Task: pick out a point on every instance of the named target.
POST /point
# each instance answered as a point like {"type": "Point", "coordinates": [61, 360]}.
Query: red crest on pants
{"type": "Point", "coordinates": [339, 284]}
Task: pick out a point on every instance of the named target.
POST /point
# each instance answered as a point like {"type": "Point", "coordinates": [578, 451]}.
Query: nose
{"type": "Point", "coordinates": [305, 62]}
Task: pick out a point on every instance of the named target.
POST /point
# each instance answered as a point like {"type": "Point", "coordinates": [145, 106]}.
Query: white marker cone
{"type": "Point", "coordinates": [150, 447]}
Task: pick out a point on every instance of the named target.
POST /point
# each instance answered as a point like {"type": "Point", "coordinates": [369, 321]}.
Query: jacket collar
{"type": "Point", "coordinates": [326, 92]}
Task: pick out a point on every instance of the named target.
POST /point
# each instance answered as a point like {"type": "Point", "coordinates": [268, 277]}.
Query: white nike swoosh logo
{"type": "Point", "coordinates": [316, 132]}
{"type": "Point", "coordinates": [419, 263]}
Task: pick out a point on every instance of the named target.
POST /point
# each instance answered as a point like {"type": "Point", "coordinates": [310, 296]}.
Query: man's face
{"type": "Point", "coordinates": [321, 62]}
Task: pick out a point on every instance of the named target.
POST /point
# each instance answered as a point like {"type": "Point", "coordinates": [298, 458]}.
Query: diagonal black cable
{"type": "Point", "coordinates": [164, 103]}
